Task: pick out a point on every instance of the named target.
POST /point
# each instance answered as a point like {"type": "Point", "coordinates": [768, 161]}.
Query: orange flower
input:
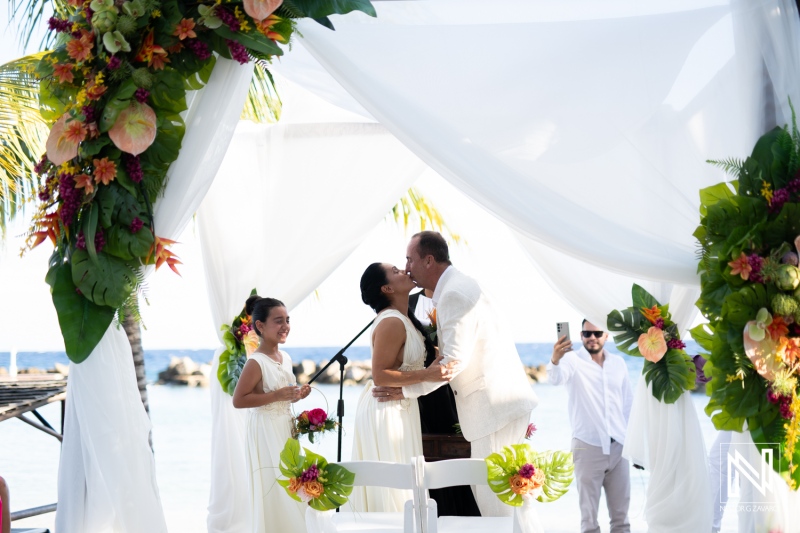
{"type": "Point", "coordinates": [81, 49]}
{"type": "Point", "coordinates": [789, 351]}
{"type": "Point", "coordinates": [160, 254]}
{"type": "Point", "coordinates": [251, 342]}
{"type": "Point", "coordinates": [160, 59]}
{"type": "Point", "coordinates": [84, 181]}
{"type": "Point", "coordinates": [95, 90]}
{"type": "Point", "coordinates": [520, 485]}
{"type": "Point", "coordinates": [432, 316]}
{"type": "Point", "coordinates": [741, 266]}
{"type": "Point", "coordinates": [778, 328]}
{"type": "Point", "coordinates": [651, 314]}
{"type": "Point", "coordinates": [63, 71]}
{"type": "Point", "coordinates": [184, 29]}
{"type": "Point", "coordinates": [104, 170]}
{"type": "Point", "coordinates": [294, 484]}
{"type": "Point", "coordinates": [151, 53]}
{"type": "Point", "coordinates": [538, 478]}
{"type": "Point", "coordinates": [652, 344]}
{"type": "Point", "coordinates": [314, 488]}
{"type": "Point", "coordinates": [48, 226]}
{"type": "Point", "coordinates": [65, 136]}
{"type": "Point", "coordinates": [76, 132]}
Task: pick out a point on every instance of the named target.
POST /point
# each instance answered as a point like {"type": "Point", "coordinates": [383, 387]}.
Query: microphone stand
{"type": "Point", "coordinates": [340, 357]}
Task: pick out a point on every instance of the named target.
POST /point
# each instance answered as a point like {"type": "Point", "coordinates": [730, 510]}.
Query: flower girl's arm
{"type": "Point", "coordinates": [387, 355]}
{"type": "Point", "coordinates": [249, 390]}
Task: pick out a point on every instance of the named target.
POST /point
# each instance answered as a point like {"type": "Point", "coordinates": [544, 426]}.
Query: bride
{"type": "Point", "coordinates": [390, 431]}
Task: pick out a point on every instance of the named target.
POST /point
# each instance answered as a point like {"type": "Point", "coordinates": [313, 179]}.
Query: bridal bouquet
{"type": "Point", "coordinates": [647, 330]}
{"type": "Point", "coordinates": [311, 422]}
{"type": "Point", "coordinates": [310, 479]}
{"type": "Point", "coordinates": [750, 293]}
{"type": "Point", "coordinates": [519, 472]}
{"type": "Point", "coordinates": [240, 341]}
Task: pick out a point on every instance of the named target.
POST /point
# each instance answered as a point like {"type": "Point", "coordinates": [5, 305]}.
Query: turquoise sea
{"type": "Point", "coordinates": [181, 441]}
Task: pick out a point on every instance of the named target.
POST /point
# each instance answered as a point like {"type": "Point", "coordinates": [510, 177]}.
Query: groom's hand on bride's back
{"type": "Point", "coordinates": [388, 394]}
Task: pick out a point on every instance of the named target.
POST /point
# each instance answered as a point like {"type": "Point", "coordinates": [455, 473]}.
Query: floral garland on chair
{"type": "Point", "coordinates": [312, 480]}
{"type": "Point", "coordinates": [113, 90]}
{"type": "Point", "coordinates": [647, 330]}
{"type": "Point", "coordinates": [750, 281]}
{"type": "Point", "coordinates": [518, 473]}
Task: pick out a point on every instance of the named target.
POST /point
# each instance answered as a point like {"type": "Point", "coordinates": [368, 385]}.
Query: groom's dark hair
{"type": "Point", "coordinates": [432, 243]}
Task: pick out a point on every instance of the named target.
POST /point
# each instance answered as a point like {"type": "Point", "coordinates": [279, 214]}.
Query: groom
{"type": "Point", "coordinates": [493, 396]}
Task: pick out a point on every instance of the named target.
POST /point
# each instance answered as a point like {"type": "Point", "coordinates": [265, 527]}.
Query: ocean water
{"type": "Point", "coordinates": [181, 440]}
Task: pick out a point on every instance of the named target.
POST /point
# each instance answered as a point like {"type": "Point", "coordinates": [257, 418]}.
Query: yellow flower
{"type": "Point", "coordinates": [155, 13]}
{"type": "Point", "coordinates": [730, 378]}
{"type": "Point", "coordinates": [766, 192]}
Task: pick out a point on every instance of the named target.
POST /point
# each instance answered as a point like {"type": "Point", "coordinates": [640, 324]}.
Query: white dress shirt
{"type": "Point", "coordinates": [600, 397]}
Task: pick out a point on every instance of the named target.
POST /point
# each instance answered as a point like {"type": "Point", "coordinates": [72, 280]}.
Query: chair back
{"type": "Point", "coordinates": [453, 472]}
{"type": "Point", "coordinates": [382, 474]}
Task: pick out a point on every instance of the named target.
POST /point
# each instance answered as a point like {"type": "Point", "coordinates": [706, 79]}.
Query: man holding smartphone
{"type": "Point", "coordinates": [599, 405]}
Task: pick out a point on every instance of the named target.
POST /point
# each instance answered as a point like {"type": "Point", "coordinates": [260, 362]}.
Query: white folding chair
{"type": "Point", "coordinates": [372, 474]}
{"type": "Point", "coordinates": [452, 473]}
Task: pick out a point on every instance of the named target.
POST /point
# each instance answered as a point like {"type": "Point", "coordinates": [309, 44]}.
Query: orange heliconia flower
{"type": "Point", "coordinates": [652, 344]}
{"type": "Point", "coordinates": [184, 29]}
{"type": "Point", "coordinates": [778, 328]}
{"type": "Point", "coordinates": [161, 255]}
{"type": "Point", "coordinates": [741, 266]}
{"type": "Point", "coordinates": [151, 53]}
{"type": "Point", "coordinates": [651, 314]}
{"type": "Point", "coordinates": [432, 316]}
{"type": "Point", "coordinates": [81, 49]}
{"type": "Point", "coordinates": [48, 226]}
{"type": "Point", "coordinates": [95, 90]}
{"type": "Point", "coordinates": [84, 181]}
{"type": "Point", "coordinates": [104, 171]}
{"type": "Point", "coordinates": [63, 71]}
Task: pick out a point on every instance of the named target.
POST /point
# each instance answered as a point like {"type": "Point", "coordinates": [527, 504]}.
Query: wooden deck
{"type": "Point", "coordinates": [29, 392]}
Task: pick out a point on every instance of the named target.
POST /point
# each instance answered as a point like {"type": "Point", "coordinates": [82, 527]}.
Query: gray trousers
{"type": "Point", "coordinates": [511, 433]}
{"type": "Point", "coordinates": [594, 471]}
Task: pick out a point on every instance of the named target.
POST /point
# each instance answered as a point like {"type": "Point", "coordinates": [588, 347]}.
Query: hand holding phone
{"type": "Point", "coordinates": [563, 344]}
{"type": "Point", "coordinates": [562, 328]}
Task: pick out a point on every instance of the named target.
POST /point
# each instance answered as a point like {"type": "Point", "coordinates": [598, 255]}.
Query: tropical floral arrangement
{"type": "Point", "coordinates": [518, 473]}
{"type": "Point", "coordinates": [750, 295]}
{"type": "Point", "coordinates": [312, 422]}
{"type": "Point", "coordinates": [240, 341]}
{"type": "Point", "coordinates": [113, 90]}
{"type": "Point", "coordinates": [430, 329]}
{"type": "Point", "coordinates": [310, 479]}
{"type": "Point", "coordinates": [647, 330]}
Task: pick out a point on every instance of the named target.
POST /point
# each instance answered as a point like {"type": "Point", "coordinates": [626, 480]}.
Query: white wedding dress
{"type": "Point", "coordinates": [388, 431]}
{"type": "Point", "coordinates": [268, 428]}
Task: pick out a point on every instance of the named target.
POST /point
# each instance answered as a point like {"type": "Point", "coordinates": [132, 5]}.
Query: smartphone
{"type": "Point", "coordinates": [562, 328]}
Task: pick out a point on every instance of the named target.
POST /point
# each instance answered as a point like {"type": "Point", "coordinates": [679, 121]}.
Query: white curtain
{"type": "Point", "coordinates": [290, 203]}
{"type": "Point", "coordinates": [106, 477]}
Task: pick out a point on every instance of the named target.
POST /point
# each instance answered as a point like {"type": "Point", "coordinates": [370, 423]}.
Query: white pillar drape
{"type": "Point", "coordinates": [290, 203]}
{"type": "Point", "coordinates": [106, 477]}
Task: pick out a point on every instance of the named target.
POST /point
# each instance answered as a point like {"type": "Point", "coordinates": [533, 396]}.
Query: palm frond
{"type": "Point", "coordinates": [731, 165]}
{"type": "Point", "coordinates": [263, 105]}
{"type": "Point", "coordinates": [30, 17]}
{"type": "Point", "coordinates": [23, 133]}
{"type": "Point", "coordinates": [414, 205]}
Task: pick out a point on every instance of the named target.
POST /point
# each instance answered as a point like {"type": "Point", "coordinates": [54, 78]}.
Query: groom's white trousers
{"type": "Point", "coordinates": [512, 433]}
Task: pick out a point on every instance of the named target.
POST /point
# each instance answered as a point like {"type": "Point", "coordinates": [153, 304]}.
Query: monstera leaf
{"type": "Point", "coordinates": [337, 480]}
{"type": "Point", "coordinates": [557, 466]}
{"type": "Point", "coordinates": [624, 326]}
{"type": "Point", "coordinates": [231, 363]}
{"type": "Point", "coordinates": [671, 376]}
{"type": "Point", "coordinates": [107, 281]}
{"type": "Point", "coordinates": [558, 469]}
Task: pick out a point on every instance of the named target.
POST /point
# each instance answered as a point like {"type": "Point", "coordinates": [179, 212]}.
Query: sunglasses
{"type": "Point", "coordinates": [588, 334]}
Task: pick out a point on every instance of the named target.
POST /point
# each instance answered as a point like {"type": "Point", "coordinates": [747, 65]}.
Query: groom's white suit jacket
{"type": "Point", "coordinates": [491, 388]}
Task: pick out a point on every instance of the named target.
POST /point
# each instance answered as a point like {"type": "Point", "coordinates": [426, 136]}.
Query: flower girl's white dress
{"type": "Point", "coordinates": [388, 431]}
{"type": "Point", "coordinates": [268, 427]}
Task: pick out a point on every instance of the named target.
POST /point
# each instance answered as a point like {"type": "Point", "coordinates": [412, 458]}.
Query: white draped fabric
{"type": "Point", "coordinates": [106, 477]}
{"type": "Point", "coordinates": [290, 203]}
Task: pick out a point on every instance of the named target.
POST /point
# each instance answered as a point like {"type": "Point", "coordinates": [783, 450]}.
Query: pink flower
{"type": "Point", "coordinates": [530, 431]}
{"type": "Point", "coordinates": [527, 471]}
{"type": "Point", "coordinates": [317, 416]}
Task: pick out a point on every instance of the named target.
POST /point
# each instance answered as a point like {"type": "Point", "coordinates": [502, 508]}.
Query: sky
{"type": "Point", "coordinates": [178, 316]}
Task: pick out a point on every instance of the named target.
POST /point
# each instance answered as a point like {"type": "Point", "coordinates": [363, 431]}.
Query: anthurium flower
{"type": "Point", "coordinates": [757, 329]}
{"type": "Point", "coordinates": [104, 171]}
{"type": "Point", "coordinates": [251, 342]}
{"type": "Point", "coordinates": [135, 129]}
{"type": "Point", "coordinates": [208, 17]}
{"type": "Point", "coordinates": [65, 136]}
{"type": "Point", "coordinates": [84, 181]}
{"type": "Point", "coordinates": [184, 29]}
{"type": "Point", "coordinates": [741, 266]}
{"type": "Point", "coordinates": [63, 71]}
{"type": "Point", "coordinates": [114, 41]}
{"type": "Point", "coordinates": [652, 344]}
{"type": "Point", "coordinates": [261, 9]}
{"type": "Point", "coordinates": [81, 49]}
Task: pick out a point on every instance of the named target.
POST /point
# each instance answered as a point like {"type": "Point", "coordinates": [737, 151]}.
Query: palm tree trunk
{"type": "Point", "coordinates": [134, 333]}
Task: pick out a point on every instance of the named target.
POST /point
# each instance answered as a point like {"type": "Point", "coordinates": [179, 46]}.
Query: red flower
{"type": "Point", "coordinates": [317, 416]}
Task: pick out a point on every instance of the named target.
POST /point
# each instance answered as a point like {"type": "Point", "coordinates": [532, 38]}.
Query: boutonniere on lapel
{"type": "Point", "coordinates": [430, 330]}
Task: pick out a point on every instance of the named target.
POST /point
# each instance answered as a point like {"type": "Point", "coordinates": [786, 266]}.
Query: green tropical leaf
{"type": "Point", "coordinates": [230, 368]}
{"type": "Point", "coordinates": [254, 41]}
{"type": "Point", "coordinates": [557, 466]}
{"type": "Point", "coordinates": [82, 322]}
{"type": "Point", "coordinates": [625, 326]}
{"type": "Point", "coordinates": [703, 334]}
{"type": "Point", "coordinates": [671, 376]}
{"type": "Point", "coordinates": [120, 101]}
{"type": "Point", "coordinates": [109, 282]}
{"type": "Point", "coordinates": [120, 242]}
{"type": "Point", "coordinates": [317, 9]}
{"type": "Point", "coordinates": [559, 472]}
{"type": "Point", "coordinates": [263, 106]}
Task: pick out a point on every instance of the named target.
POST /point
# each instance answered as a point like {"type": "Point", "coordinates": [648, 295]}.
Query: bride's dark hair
{"type": "Point", "coordinates": [372, 280]}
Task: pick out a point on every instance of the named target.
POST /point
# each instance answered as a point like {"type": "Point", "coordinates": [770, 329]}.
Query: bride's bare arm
{"type": "Point", "coordinates": [387, 355]}
{"type": "Point", "coordinates": [249, 391]}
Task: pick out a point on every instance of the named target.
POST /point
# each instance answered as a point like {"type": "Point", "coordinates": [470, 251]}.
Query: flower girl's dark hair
{"type": "Point", "coordinates": [372, 280]}
{"type": "Point", "coordinates": [259, 308]}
